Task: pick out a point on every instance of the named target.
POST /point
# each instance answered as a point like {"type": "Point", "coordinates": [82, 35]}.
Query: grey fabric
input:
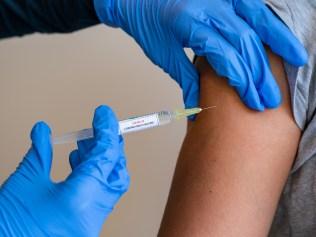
{"type": "Point", "coordinates": [296, 213]}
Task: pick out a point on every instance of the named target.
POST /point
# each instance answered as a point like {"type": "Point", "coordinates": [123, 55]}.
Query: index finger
{"type": "Point", "coordinates": [272, 31]}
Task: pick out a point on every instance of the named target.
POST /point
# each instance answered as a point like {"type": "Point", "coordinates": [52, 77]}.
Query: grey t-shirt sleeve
{"type": "Point", "coordinates": [300, 17]}
{"type": "Point", "coordinates": [296, 212]}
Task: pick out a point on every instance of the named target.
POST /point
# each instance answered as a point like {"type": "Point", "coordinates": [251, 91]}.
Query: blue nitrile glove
{"type": "Point", "coordinates": [227, 32]}
{"type": "Point", "coordinates": [32, 205]}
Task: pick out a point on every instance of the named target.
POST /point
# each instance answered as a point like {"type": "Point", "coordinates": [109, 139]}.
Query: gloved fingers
{"type": "Point", "coordinates": [38, 160]}
{"type": "Point", "coordinates": [105, 127]}
{"type": "Point", "coordinates": [74, 159]}
{"type": "Point", "coordinates": [102, 152]}
{"type": "Point", "coordinates": [113, 177]}
{"type": "Point", "coordinates": [249, 46]}
{"type": "Point", "coordinates": [272, 31]}
{"type": "Point", "coordinates": [240, 78]}
{"type": "Point", "coordinates": [76, 156]}
{"type": "Point", "coordinates": [84, 147]}
{"type": "Point", "coordinates": [112, 188]}
{"type": "Point", "coordinates": [185, 74]}
{"type": "Point", "coordinates": [119, 178]}
{"type": "Point", "coordinates": [227, 62]}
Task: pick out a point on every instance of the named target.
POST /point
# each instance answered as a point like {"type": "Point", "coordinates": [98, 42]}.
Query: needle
{"type": "Point", "coordinates": [210, 107]}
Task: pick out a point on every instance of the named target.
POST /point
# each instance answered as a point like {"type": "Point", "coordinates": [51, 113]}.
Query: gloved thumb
{"type": "Point", "coordinates": [39, 157]}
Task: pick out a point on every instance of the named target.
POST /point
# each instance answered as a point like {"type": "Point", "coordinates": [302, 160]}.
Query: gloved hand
{"type": "Point", "coordinates": [226, 32]}
{"type": "Point", "coordinates": [32, 205]}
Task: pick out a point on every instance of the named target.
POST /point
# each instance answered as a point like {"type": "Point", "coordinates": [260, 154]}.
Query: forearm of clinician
{"type": "Point", "coordinates": [20, 17]}
{"type": "Point", "coordinates": [233, 164]}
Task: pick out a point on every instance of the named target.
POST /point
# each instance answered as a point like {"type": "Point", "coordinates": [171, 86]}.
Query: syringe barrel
{"type": "Point", "coordinates": [145, 122]}
{"type": "Point", "coordinates": [125, 126]}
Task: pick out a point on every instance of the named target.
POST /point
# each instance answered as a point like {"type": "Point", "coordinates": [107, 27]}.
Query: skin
{"type": "Point", "coordinates": [233, 163]}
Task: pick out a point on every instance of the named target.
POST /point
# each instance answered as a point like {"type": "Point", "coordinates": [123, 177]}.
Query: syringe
{"type": "Point", "coordinates": [134, 124]}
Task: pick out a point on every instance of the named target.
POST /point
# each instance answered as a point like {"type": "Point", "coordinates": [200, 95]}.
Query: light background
{"type": "Point", "coordinates": [61, 79]}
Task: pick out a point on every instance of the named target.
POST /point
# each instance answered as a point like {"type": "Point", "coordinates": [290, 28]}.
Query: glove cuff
{"type": "Point", "coordinates": [104, 11]}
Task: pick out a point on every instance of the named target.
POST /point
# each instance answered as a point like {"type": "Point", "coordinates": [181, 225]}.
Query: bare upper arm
{"type": "Point", "coordinates": [233, 164]}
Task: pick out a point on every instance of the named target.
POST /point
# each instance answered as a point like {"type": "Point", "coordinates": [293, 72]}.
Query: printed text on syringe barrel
{"type": "Point", "coordinates": [140, 123]}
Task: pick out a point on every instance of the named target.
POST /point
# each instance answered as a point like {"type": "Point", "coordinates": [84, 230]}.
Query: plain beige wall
{"type": "Point", "coordinates": [61, 79]}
